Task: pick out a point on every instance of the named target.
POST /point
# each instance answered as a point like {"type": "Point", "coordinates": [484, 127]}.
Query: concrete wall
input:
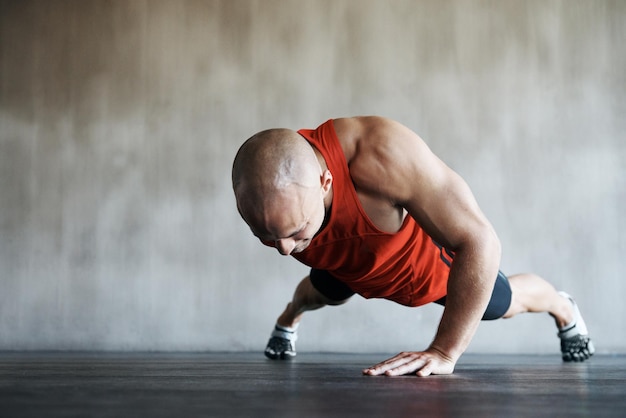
{"type": "Point", "coordinates": [119, 121]}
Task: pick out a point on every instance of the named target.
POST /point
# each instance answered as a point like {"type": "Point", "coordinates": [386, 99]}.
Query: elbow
{"type": "Point", "coordinates": [483, 242]}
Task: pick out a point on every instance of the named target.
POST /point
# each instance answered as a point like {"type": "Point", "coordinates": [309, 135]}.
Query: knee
{"type": "Point", "coordinates": [515, 308]}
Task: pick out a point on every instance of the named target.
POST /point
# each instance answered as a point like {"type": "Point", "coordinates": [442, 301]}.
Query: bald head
{"type": "Point", "coordinates": [270, 162]}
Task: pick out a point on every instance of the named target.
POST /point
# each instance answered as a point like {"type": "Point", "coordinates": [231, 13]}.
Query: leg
{"type": "Point", "coordinates": [305, 298]}
{"type": "Point", "coordinates": [313, 292]}
{"type": "Point", "coordinates": [531, 293]}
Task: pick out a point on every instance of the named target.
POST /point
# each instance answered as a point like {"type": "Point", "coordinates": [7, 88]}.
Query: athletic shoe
{"type": "Point", "coordinates": [578, 348]}
{"type": "Point", "coordinates": [280, 348]}
{"type": "Point", "coordinates": [282, 343]}
{"type": "Point", "coordinates": [575, 342]}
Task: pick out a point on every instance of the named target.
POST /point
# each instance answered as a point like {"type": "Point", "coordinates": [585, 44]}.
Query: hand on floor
{"type": "Point", "coordinates": [422, 363]}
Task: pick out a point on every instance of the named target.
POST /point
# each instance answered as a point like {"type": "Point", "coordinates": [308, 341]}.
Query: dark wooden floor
{"type": "Point", "coordinates": [248, 385]}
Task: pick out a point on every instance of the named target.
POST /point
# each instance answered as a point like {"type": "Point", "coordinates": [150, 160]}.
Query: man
{"type": "Point", "coordinates": [366, 204]}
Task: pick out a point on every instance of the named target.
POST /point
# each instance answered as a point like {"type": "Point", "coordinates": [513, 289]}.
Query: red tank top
{"type": "Point", "coordinates": [407, 267]}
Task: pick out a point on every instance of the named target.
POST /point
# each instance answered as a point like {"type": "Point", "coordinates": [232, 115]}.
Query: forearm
{"type": "Point", "coordinates": [470, 285]}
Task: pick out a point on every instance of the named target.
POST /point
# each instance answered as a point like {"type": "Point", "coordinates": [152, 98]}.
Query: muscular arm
{"type": "Point", "coordinates": [392, 162]}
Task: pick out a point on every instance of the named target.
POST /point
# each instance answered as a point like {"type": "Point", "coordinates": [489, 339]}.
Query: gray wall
{"type": "Point", "coordinates": [119, 121]}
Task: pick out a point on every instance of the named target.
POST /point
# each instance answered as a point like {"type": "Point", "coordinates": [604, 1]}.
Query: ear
{"type": "Point", "coordinates": [327, 181]}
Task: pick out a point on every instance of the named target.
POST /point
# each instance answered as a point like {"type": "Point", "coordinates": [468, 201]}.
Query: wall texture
{"type": "Point", "coordinates": [119, 121]}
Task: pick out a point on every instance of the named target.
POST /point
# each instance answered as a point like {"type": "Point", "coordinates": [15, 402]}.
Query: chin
{"type": "Point", "coordinates": [299, 250]}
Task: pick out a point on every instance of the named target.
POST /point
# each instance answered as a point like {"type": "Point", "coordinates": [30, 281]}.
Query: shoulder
{"type": "Point", "coordinates": [382, 154]}
{"type": "Point", "coordinates": [359, 131]}
{"type": "Point", "coordinates": [367, 136]}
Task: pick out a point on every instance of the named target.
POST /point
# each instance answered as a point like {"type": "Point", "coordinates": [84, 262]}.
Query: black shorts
{"type": "Point", "coordinates": [336, 290]}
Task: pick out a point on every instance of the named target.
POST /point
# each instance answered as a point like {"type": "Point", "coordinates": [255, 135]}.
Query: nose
{"type": "Point", "coordinates": [285, 246]}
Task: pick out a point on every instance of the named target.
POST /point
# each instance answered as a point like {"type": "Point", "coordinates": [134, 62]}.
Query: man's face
{"type": "Point", "coordinates": [290, 218]}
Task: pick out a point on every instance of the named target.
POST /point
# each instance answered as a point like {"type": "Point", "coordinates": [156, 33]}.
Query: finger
{"type": "Point", "coordinates": [401, 364]}
{"type": "Point", "coordinates": [379, 368]}
{"type": "Point", "coordinates": [388, 364]}
{"type": "Point", "coordinates": [426, 370]}
{"type": "Point", "coordinates": [410, 366]}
